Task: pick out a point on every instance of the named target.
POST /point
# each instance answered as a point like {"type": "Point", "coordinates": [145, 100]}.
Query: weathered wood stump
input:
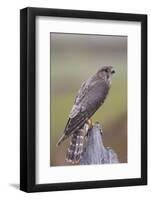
{"type": "Point", "coordinates": [94, 150]}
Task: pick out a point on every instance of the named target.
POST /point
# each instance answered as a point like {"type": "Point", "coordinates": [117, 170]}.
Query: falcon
{"type": "Point", "coordinates": [89, 98]}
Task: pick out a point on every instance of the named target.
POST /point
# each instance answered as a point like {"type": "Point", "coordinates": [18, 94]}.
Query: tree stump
{"type": "Point", "coordinates": [94, 150]}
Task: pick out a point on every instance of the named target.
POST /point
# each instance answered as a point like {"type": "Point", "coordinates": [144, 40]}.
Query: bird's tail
{"type": "Point", "coordinates": [75, 149]}
{"type": "Point", "coordinates": [61, 139]}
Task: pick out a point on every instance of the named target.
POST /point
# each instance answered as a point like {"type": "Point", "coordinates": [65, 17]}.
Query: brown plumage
{"type": "Point", "coordinates": [75, 148]}
{"type": "Point", "coordinates": [90, 97]}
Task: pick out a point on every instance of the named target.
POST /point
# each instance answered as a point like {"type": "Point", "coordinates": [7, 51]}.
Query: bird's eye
{"type": "Point", "coordinates": [106, 70]}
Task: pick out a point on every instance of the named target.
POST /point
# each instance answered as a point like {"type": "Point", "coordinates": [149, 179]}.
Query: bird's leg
{"type": "Point", "coordinates": [89, 122]}
{"type": "Point", "coordinates": [88, 125]}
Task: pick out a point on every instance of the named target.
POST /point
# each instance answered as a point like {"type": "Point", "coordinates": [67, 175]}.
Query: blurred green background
{"type": "Point", "coordinates": [74, 58]}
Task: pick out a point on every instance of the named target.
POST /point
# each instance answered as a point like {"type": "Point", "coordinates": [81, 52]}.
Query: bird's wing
{"type": "Point", "coordinates": [89, 98]}
{"type": "Point", "coordinates": [80, 95]}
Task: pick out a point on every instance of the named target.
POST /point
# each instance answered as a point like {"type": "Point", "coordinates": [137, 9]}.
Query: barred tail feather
{"type": "Point", "coordinates": [76, 147]}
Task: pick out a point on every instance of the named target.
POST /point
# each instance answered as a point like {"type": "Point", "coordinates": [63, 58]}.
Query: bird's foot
{"type": "Point", "coordinates": [89, 122]}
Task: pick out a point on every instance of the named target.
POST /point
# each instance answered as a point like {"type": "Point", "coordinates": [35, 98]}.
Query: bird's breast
{"type": "Point", "coordinates": [98, 93]}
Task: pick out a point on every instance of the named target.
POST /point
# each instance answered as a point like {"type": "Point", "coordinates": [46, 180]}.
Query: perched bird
{"type": "Point", "coordinates": [90, 97]}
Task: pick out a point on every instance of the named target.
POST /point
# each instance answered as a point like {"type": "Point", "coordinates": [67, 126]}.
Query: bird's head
{"type": "Point", "coordinates": [105, 73]}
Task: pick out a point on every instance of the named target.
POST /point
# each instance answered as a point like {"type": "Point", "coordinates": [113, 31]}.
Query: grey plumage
{"type": "Point", "coordinates": [90, 97]}
{"type": "Point", "coordinates": [75, 148]}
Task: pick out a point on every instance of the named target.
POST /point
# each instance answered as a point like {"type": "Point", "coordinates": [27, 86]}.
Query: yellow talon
{"type": "Point", "coordinates": [89, 122]}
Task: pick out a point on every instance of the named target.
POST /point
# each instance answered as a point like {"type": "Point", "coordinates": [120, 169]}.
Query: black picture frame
{"type": "Point", "coordinates": [28, 99]}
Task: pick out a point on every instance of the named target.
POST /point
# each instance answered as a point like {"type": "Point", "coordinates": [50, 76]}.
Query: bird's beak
{"type": "Point", "coordinates": [113, 71]}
